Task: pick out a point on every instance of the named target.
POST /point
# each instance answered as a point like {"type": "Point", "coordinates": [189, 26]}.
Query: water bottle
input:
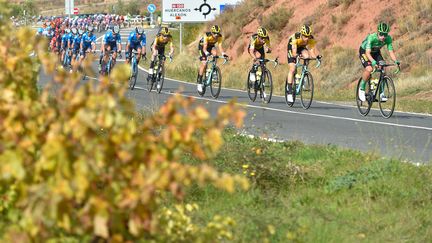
{"type": "Point", "coordinates": [252, 77]}
{"type": "Point", "coordinates": [297, 78]}
{"type": "Point", "coordinates": [208, 72]}
{"type": "Point", "coordinates": [258, 74]}
{"type": "Point", "coordinates": [373, 83]}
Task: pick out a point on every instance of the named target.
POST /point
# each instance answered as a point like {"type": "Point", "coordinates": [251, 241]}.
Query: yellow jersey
{"type": "Point", "coordinates": [296, 40]}
{"type": "Point", "coordinates": [257, 44]}
{"type": "Point", "coordinates": [160, 42]}
{"type": "Point", "coordinates": [210, 40]}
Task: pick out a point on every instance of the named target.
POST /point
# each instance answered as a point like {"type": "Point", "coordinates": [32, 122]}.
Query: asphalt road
{"type": "Point", "coordinates": [406, 136]}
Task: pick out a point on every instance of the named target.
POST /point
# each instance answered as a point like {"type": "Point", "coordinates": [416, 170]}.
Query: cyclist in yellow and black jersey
{"type": "Point", "coordinates": [303, 44]}
{"type": "Point", "coordinates": [260, 41]}
{"type": "Point", "coordinates": [162, 39]}
{"type": "Point", "coordinates": [208, 45]}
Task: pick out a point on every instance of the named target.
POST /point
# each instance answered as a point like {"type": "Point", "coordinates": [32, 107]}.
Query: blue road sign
{"type": "Point", "coordinates": [151, 8]}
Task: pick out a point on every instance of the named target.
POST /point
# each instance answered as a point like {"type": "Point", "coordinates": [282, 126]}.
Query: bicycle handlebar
{"type": "Point", "coordinates": [309, 59]}
{"type": "Point", "coordinates": [264, 60]}
{"type": "Point", "coordinates": [382, 65]}
{"type": "Point", "coordinates": [222, 57]}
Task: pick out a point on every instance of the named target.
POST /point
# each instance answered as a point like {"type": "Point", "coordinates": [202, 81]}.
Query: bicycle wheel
{"type": "Point", "coordinates": [151, 79]}
{"type": "Point", "coordinates": [250, 86]}
{"type": "Point", "coordinates": [216, 83]}
{"type": "Point", "coordinates": [386, 97]}
{"type": "Point", "coordinates": [160, 78]}
{"type": "Point", "coordinates": [364, 106]}
{"type": "Point", "coordinates": [307, 91]}
{"type": "Point", "coordinates": [133, 77]}
{"type": "Point", "coordinates": [266, 89]}
{"type": "Point", "coordinates": [290, 104]}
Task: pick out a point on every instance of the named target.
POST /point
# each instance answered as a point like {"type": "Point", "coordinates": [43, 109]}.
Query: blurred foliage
{"type": "Point", "coordinates": [81, 164]}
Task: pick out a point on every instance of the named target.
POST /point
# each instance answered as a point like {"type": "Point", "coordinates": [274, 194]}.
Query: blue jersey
{"type": "Point", "coordinates": [87, 40]}
{"type": "Point", "coordinates": [133, 39]}
{"type": "Point", "coordinates": [76, 41]}
{"type": "Point", "coordinates": [110, 38]}
{"type": "Point", "coordinates": [65, 39]}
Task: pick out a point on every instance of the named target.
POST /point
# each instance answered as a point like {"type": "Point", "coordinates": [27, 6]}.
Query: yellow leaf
{"type": "Point", "coordinates": [101, 226]}
{"type": "Point", "coordinates": [202, 113]}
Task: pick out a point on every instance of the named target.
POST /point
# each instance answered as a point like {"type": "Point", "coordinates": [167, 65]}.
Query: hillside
{"type": "Point", "coordinates": [339, 27]}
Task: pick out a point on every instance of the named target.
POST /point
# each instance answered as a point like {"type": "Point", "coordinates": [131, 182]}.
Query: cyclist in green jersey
{"type": "Point", "coordinates": [370, 55]}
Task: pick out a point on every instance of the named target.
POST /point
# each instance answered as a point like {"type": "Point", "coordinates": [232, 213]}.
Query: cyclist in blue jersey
{"type": "Point", "coordinates": [64, 43]}
{"type": "Point", "coordinates": [75, 46]}
{"type": "Point", "coordinates": [110, 42]}
{"type": "Point", "coordinates": [136, 41]}
{"type": "Point", "coordinates": [88, 43]}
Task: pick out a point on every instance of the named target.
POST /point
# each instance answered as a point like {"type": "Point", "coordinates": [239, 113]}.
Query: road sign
{"type": "Point", "coordinates": [76, 11]}
{"type": "Point", "coordinates": [151, 8]}
{"type": "Point", "coordinates": [193, 10]}
{"type": "Point", "coordinates": [69, 7]}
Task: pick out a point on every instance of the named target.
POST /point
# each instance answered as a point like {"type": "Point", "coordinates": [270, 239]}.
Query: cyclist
{"type": "Point", "coordinates": [206, 47]}
{"type": "Point", "coordinates": [136, 41]}
{"type": "Point", "coordinates": [259, 42]}
{"type": "Point", "coordinates": [88, 41]}
{"type": "Point", "coordinates": [158, 47]}
{"type": "Point", "coordinates": [65, 43]}
{"type": "Point", "coordinates": [298, 45]}
{"type": "Point", "coordinates": [76, 43]}
{"type": "Point", "coordinates": [111, 42]}
{"type": "Point", "coordinates": [370, 55]}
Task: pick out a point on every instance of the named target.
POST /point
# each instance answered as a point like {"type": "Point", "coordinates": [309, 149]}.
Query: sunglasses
{"type": "Point", "coordinates": [383, 34]}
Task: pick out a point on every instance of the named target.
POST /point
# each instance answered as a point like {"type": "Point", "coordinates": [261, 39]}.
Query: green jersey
{"type": "Point", "coordinates": [373, 43]}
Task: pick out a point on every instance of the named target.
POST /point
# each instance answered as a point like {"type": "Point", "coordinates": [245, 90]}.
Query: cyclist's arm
{"type": "Point", "coordinates": [143, 45]}
{"type": "Point", "coordinates": [392, 55]}
{"type": "Point", "coordinates": [314, 51]}
{"type": "Point", "coordinates": [171, 48]}
{"type": "Point", "coordinates": [369, 40]}
{"type": "Point", "coordinates": [119, 45]}
{"type": "Point", "coordinates": [93, 43]}
{"type": "Point", "coordinates": [220, 46]}
{"type": "Point", "coordinates": [369, 55]}
{"type": "Point", "coordinates": [252, 48]}
{"type": "Point", "coordinates": [267, 44]}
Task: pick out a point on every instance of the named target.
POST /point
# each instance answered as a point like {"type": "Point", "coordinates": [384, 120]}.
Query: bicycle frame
{"type": "Point", "coordinates": [213, 64]}
{"type": "Point", "coordinates": [262, 64]}
{"type": "Point", "coordinates": [304, 72]}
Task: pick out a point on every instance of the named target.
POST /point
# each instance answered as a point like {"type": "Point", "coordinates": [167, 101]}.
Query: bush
{"type": "Point", "coordinates": [81, 163]}
{"type": "Point", "coordinates": [277, 19]}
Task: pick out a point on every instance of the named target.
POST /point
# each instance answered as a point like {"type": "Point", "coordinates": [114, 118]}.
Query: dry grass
{"type": "Point", "coordinates": [277, 19]}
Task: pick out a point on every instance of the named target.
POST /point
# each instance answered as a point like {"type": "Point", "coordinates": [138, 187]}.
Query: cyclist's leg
{"type": "Point", "coordinates": [367, 68]}
{"type": "Point", "coordinates": [128, 53]}
{"type": "Point", "coordinates": [114, 56]}
{"type": "Point", "coordinates": [139, 50]}
{"type": "Point", "coordinates": [366, 73]}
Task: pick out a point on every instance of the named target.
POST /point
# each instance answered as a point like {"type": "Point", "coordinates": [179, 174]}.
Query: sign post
{"type": "Point", "coordinates": [151, 8]}
{"type": "Point", "coordinates": [69, 7]}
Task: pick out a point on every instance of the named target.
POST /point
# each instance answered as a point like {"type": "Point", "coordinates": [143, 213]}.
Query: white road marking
{"type": "Point", "coordinates": [295, 112]}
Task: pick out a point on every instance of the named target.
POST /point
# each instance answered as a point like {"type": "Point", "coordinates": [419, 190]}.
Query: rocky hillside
{"type": "Point", "coordinates": [342, 23]}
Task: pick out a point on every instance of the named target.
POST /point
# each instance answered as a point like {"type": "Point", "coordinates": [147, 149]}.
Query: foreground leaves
{"type": "Point", "coordinates": [81, 162]}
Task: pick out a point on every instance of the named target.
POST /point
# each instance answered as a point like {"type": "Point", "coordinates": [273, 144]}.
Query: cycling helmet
{"type": "Point", "coordinates": [74, 31]}
{"type": "Point", "coordinates": [262, 32]}
{"type": "Point", "coordinates": [67, 31]}
{"type": "Point", "coordinates": [40, 30]}
{"type": "Point", "coordinates": [215, 29]}
{"type": "Point", "coordinates": [90, 28]}
{"type": "Point", "coordinates": [164, 31]}
{"type": "Point", "coordinates": [139, 30]}
{"type": "Point", "coordinates": [306, 30]}
{"type": "Point", "coordinates": [80, 31]}
{"type": "Point", "coordinates": [116, 29]}
{"type": "Point", "coordinates": [383, 27]}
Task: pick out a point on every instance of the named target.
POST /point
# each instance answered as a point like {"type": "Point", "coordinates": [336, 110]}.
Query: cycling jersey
{"type": "Point", "coordinates": [76, 42]}
{"type": "Point", "coordinates": [65, 40]}
{"type": "Point", "coordinates": [134, 41]}
{"type": "Point", "coordinates": [111, 39]}
{"type": "Point", "coordinates": [296, 40]}
{"type": "Point", "coordinates": [87, 40]}
{"type": "Point", "coordinates": [256, 44]}
{"type": "Point", "coordinates": [210, 39]}
{"type": "Point", "coordinates": [373, 43]}
{"type": "Point", "coordinates": [160, 42]}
